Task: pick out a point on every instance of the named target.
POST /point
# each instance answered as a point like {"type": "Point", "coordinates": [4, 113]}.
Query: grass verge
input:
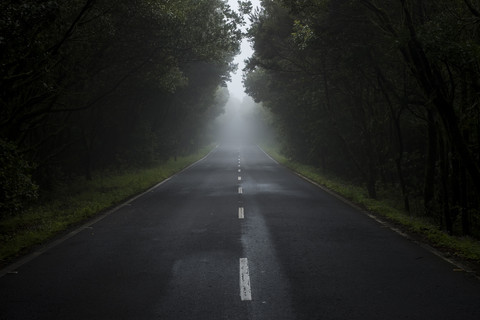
{"type": "Point", "coordinates": [465, 249]}
{"type": "Point", "coordinates": [78, 201]}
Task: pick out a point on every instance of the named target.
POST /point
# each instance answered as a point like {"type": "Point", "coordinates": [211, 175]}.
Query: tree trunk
{"type": "Point", "coordinates": [372, 191]}
{"type": "Point", "coordinates": [444, 172]}
{"type": "Point", "coordinates": [455, 186]}
{"type": "Point", "coordinates": [406, 202]}
{"type": "Point", "coordinates": [456, 139]}
{"type": "Point", "coordinates": [399, 160]}
{"type": "Point", "coordinates": [431, 80]}
{"type": "Point", "coordinates": [429, 184]}
{"type": "Point", "coordinates": [465, 216]}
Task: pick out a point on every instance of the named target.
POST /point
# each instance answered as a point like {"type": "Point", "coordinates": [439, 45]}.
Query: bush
{"type": "Point", "coordinates": [16, 185]}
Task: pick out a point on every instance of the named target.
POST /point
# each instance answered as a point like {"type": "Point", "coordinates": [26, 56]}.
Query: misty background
{"type": "Point", "coordinates": [244, 120]}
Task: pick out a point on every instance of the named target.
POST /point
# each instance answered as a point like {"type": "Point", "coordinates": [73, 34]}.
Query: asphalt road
{"type": "Point", "coordinates": [237, 236]}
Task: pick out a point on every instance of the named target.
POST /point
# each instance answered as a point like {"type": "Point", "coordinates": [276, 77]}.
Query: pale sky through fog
{"type": "Point", "coordinates": [235, 87]}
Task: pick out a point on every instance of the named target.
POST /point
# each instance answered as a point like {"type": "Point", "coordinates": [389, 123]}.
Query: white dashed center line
{"type": "Point", "coordinates": [241, 213]}
{"type": "Point", "coordinates": [245, 290]}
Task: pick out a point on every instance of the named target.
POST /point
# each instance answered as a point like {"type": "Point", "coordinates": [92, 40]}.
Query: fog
{"type": "Point", "coordinates": [244, 121]}
{"type": "Point", "coordinates": [235, 87]}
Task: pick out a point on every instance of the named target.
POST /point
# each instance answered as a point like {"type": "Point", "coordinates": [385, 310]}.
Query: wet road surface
{"type": "Point", "coordinates": [237, 236]}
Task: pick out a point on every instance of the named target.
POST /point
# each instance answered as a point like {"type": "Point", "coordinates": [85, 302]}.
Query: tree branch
{"type": "Point", "coordinates": [54, 50]}
{"type": "Point", "coordinates": [472, 9]}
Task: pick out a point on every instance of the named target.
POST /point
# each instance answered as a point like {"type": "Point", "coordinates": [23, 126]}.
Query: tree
{"type": "Point", "coordinates": [16, 185]}
{"type": "Point", "coordinates": [379, 93]}
{"type": "Point", "coordinates": [115, 83]}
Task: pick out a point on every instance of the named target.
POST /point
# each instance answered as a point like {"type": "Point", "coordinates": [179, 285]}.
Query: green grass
{"type": "Point", "coordinates": [462, 247]}
{"type": "Point", "coordinates": [78, 201]}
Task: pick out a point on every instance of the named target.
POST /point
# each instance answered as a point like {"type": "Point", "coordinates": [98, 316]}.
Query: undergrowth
{"type": "Point", "coordinates": [461, 247]}
{"type": "Point", "coordinates": [78, 201]}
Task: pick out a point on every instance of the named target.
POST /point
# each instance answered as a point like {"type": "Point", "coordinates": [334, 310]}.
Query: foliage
{"type": "Point", "coordinates": [460, 247]}
{"type": "Point", "coordinates": [381, 94]}
{"type": "Point", "coordinates": [16, 186]}
{"type": "Point", "coordinates": [81, 199]}
{"type": "Point", "coordinates": [93, 85]}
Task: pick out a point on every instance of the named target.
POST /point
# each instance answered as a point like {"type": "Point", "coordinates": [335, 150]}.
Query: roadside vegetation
{"type": "Point", "coordinates": [379, 94]}
{"type": "Point", "coordinates": [92, 86]}
{"type": "Point", "coordinates": [466, 249]}
{"type": "Point", "coordinates": [94, 91]}
{"type": "Point", "coordinates": [72, 203]}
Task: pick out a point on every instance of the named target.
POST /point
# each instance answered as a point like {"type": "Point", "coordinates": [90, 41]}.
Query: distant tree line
{"type": "Point", "coordinates": [88, 85]}
{"type": "Point", "coordinates": [381, 93]}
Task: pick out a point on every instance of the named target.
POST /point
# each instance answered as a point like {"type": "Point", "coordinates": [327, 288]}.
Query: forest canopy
{"type": "Point", "coordinates": [88, 85]}
{"type": "Point", "coordinates": [383, 94]}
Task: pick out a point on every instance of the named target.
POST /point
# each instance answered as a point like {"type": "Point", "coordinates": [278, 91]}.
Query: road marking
{"type": "Point", "coordinates": [239, 170]}
{"type": "Point", "coordinates": [245, 290]}
{"type": "Point", "coordinates": [240, 190]}
{"type": "Point", "coordinates": [268, 155]}
{"type": "Point", "coordinates": [241, 214]}
{"type": "Point", "coordinates": [239, 178]}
